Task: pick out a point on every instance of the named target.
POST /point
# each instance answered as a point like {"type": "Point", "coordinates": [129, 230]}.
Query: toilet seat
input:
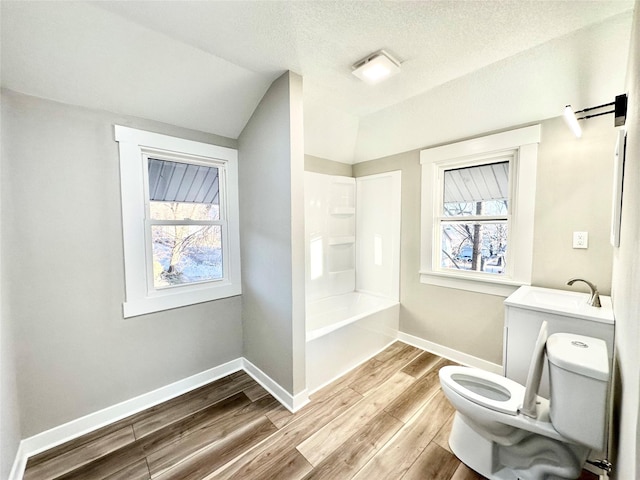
{"type": "Point", "coordinates": [487, 389]}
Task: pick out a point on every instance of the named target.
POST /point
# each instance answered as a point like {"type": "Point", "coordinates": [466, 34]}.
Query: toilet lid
{"type": "Point", "coordinates": [484, 388]}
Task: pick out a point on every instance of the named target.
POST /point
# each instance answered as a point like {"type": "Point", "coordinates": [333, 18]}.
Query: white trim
{"type": "Point", "coordinates": [75, 428]}
{"type": "Point", "coordinates": [481, 145]}
{"type": "Point", "coordinates": [497, 287]}
{"type": "Point", "coordinates": [140, 299]}
{"type": "Point", "coordinates": [524, 201]}
{"type": "Point", "coordinates": [522, 145]}
{"type": "Point", "coordinates": [293, 403]}
{"type": "Point", "coordinates": [450, 353]}
{"type": "Point", "coordinates": [150, 304]}
{"type": "Point", "coordinates": [438, 219]}
{"type": "Point", "coordinates": [63, 433]}
{"type": "Point", "coordinates": [618, 177]}
{"type": "Point", "coordinates": [19, 464]}
{"type": "Point", "coordinates": [169, 143]}
{"type": "Point", "coordinates": [88, 423]}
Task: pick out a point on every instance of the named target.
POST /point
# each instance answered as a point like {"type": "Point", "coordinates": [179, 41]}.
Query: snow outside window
{"type": "Point", "coordinates": [180, 221]}
{"type": "Point", "coordinates": [477, 212]}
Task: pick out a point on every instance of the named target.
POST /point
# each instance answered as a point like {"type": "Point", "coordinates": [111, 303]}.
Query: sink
{"type": "Point", "coordinates": [561, 302]}
{"type": "Point", "coordinates": [556, 299]}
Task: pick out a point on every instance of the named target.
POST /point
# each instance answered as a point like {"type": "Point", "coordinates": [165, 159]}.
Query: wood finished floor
{"type": "Point", "coordinates": [387, 420]}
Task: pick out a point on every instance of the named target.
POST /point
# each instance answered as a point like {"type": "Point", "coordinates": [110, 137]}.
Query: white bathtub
{"type": "Point", "coordinates": [344, 331]}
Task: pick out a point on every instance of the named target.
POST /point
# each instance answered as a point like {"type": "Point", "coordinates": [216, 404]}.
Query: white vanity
{"type": "Point", "coordinates": [565, 311]}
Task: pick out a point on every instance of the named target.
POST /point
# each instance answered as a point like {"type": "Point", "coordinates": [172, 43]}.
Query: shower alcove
{"type": "Point", "coordinates": [352, 238]}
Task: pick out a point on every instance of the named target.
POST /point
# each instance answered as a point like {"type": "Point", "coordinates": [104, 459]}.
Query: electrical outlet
{"type": "Point", "coordinates": [580, 240]}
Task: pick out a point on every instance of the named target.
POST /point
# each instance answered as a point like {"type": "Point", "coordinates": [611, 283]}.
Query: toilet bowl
{"type": "Point", "coordinates": [493, 436]}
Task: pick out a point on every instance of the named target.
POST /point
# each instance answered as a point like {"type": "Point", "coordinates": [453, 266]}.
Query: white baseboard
{"type": "Point", "coordinates": [63, 433]}
{"type": "Point", "coordinates": [292, 402]}
{"type": "Point", "coordinates": [83, 425]}
{"type": "Point", "coordinates": [450, 353]}
{"type": "Point", "coordinates": [19, 464]}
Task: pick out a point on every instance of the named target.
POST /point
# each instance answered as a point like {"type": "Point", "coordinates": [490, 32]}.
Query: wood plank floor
{"type": "Point", "coordinates": [387, 420]}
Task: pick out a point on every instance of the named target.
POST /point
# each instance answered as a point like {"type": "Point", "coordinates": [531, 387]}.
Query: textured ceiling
{"type": "Point", "coordinates": [205, 64]}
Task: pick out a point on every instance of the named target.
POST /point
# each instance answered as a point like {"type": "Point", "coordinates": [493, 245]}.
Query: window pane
{"type": "Point", "coordinates": [481, 247]}
{"type": "Point", "coordinates": [184, 254]}
{"type": "Point", "coordinates": [479, 190]}
{"type": "Point", "coordinates": [181, 191]}
{"type": "Point", "coordinates": [184, 211]}
{"type": "Point", "coordinates": [182, 182]}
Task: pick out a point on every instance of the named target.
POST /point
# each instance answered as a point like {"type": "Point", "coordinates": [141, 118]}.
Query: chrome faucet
{"type": "Point", "coordinates": [594, 300]}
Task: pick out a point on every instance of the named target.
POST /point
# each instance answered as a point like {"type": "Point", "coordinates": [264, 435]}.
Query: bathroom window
{"type": "Point", "coordinates": [473, 217]}
{"type": "Point", "coordinates": [477, 212]}
{"type": "Point", "coordinates": [180, 221]}
{"type": "Point", "coordinates": [184, 225]}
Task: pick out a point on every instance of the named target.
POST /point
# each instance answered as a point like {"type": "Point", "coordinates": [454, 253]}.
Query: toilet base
{"type": "Point", "coordinates": [475, 451]}
{"type": "Point", "coordinates": [535, 458]}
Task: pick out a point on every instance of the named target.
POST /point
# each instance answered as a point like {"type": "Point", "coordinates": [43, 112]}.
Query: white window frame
{"type": "Point", "coordinates": [135, 147]}
{"type": "Point", "coordinates": [522, 146]}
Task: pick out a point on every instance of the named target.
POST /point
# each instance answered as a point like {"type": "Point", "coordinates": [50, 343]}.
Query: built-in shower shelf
{"type": "Point", "coordinates": [343, 211]}
{"type": "Point", "coordinates": [340, 272]}
{"type": "Point", "coordinates": [342, 240]}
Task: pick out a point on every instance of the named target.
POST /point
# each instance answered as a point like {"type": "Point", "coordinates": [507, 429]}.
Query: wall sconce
{"type": "Point", "coordinates": [376, 67]}
{"type": "Point", "coordinates": [619, 111]}
{"type": "Point", "coordinates": [572, 121]}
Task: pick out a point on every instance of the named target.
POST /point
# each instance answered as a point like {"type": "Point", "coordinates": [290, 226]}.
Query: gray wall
{"type": "Point", "coordinates": [63, 275]}
{"type": "Point", "coordinates": [10, 434]}
{"type": "Point", "coordinates": [626, 281]}
{"type": "Point", "coordinates": [271, 168]}
{"type": "Point", "coordinates": [328, 167]}
{"type": "Point", "coordinates": [574, 189]}
{"type": "Point", "coordinates": [573, 193]}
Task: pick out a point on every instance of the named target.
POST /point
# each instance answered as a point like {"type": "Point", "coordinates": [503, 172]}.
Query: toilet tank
{"type": "Point", "coordinates": [579, 384]}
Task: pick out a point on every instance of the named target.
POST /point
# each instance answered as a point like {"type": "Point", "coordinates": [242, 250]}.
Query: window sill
{"type": "Point", "coordinates": [179, 298]}
{"type": "Point", "coordinates": [494, 286]}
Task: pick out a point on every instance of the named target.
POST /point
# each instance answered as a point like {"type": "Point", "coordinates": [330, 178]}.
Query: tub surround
{"type": "Point", "coordinates": [352, 235]}
{"type": "Point", "coordinates": [331, 313]}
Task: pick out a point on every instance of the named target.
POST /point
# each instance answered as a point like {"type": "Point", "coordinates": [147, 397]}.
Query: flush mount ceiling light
{"type": "Point", "coordinates": [376, 67]}
{"type": "Point", "coordinates": [619, 111]}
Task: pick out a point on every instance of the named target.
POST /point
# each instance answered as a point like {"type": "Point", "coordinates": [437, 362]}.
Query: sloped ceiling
{"type": "Point", "coordinates": [467, 67]}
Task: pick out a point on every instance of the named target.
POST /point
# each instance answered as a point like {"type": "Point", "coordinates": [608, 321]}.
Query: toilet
{"type": "Point", "coordinates": [505, 431]}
